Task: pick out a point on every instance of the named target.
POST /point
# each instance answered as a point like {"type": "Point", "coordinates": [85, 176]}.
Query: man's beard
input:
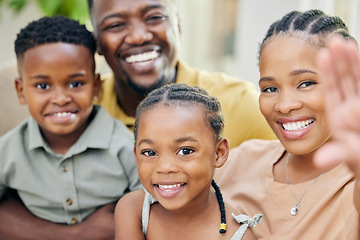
{"type": "Point", "coordinates": [141, 90]}
{"type": "Point", "coordinates": [145, 90]}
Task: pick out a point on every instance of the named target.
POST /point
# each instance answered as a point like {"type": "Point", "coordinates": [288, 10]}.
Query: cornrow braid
{"type": "Point", "coordinates": [52, 30]}
{"type": "Point", "coordinates": [220, 200]}
{"type": "Point", "coordinates": [179, 94]}
{"type": "Point", "coordinates": [313, 23]}
{"type": "Point", "coordinates": [305, 19]}
{"type": "Point", "coordinates": [286, 21]}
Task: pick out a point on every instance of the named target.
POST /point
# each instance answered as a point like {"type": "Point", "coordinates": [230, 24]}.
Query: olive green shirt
{"type": "Point", "coordinates": [98, 169]}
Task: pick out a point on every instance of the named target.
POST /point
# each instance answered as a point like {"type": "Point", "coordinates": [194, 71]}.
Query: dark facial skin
{"type": "Point", "coordinates": [139, 39]}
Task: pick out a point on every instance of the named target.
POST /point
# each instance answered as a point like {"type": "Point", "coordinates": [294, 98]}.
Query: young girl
{"type": "Point", "coordinates": [298, 199]}
{"type": "Point", "coordinates": [178, 145]}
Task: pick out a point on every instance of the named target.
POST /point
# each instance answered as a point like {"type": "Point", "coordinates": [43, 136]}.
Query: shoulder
{"type": "Point", "coordinates": [131, 202]}
{"type": "Point", "coordinates": [128, 212]}
{"type": "Point", "coordinates": [234, 226]}
{"type": "Point", "coordinates": [257, 147]}
{"type": "Point", "coordinates": [15, 136]}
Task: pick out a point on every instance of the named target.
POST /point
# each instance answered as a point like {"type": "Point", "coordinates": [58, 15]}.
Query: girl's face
{"type": "Point", "coordinates": [176, 154]}
{"type": "Point", "coordinates": [291, 94]}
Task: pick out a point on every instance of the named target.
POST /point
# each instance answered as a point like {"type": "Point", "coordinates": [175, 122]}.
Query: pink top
{"type": "Point", "coordinates": [326, 210]}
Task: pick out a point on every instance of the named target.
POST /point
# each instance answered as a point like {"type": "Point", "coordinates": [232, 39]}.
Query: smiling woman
{"type": "Point", "coordinates": [280, 177]}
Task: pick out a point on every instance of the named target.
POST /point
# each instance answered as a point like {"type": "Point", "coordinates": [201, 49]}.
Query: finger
{"type": "Point", "coordinates": [328, 78]}
{"type": "Point", "coordinates": [341, 52]}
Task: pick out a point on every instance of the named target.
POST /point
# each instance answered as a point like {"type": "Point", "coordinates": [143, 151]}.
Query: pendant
{"type": "Point", "coordinates": [295, 209]}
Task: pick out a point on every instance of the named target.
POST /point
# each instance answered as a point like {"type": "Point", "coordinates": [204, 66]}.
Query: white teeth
{"type": "Point", "coordinates": [63, 114]}
{"type": "Point", "coordinates": [142, 57]}
{"type": "Point", "coordinates": [168, 188]}
{"type": "Point", "coordinates": [294, 126]}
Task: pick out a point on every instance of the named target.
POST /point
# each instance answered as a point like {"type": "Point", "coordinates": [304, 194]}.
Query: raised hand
{"type": "Point", "coordinates": [340, 74]}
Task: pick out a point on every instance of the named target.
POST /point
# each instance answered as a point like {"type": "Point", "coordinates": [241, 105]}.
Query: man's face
{"type": "Point", "coordinates": [139, 39]}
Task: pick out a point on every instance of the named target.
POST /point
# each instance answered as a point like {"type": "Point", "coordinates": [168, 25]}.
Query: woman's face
{"type": "Point", "coordinates": [291, 97]}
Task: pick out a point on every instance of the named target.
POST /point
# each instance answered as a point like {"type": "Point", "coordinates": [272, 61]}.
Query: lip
{"type": "Point", "coordinates": [297, 127]}
{"type": "Point", "coordinates": [141, 67]}
{"type": "Point", "coordinates": [62, 117]}
{"type": "Point", "coordinates": [169, 190]}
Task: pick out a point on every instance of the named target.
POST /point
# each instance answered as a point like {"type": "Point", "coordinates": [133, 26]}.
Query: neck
{"type": "Point", "coordinates": [300, 168]}
{"type": "Point", "coordinates": [198, 210]}
{"type": "Point", "coordinates": [62, 143]}
{"type": "Point", "coordinates": [129, 99]}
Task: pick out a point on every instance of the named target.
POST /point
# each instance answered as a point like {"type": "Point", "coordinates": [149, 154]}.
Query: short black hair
{"type": "Point", "coordinates": [312, 22]}
{"type": "Point", "coordinates": [52, 30]}
{"type": "Point", "coordinates": [178, 94]}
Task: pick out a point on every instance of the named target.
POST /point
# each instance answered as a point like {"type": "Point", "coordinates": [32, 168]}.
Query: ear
{"type": "Point", "coordinates": [222, 152]}
{"type": "Point", "coordinates": [98, 49]}
{"type": "Point", "coordinates": [19, 86]}
{"type": "Point", "coordinates": [97, 85]}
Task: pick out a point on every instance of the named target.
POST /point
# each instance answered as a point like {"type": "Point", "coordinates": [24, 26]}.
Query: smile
{"type": "Point", "coordinates": [295, 126]}
{"type": "Point", "coordinates": [169, 188]}
{"type": "Point", "coordinates": [142, 57]}
{"type": "Point", "coordinates": [64, 114]}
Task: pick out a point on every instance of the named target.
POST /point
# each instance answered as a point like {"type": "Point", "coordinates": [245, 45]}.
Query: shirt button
{"type": "Point", "coordinates": [69, 201]}
{"type": "Point", "coordinates": [64, 168]}
{"type": "Point", "coordinates": [74, 220]}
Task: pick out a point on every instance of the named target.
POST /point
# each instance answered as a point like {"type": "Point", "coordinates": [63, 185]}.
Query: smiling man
{"type": "Point", "coordinates": [140, 41]}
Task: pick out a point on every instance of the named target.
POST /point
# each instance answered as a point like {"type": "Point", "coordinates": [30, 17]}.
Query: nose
{"type": "Point", "coordinates": [138, 34]}
{"type": "Point", "coordinates": [60, 97]}
{"type": "Point", "coordinates": [166, 165]}
{"type": "Point", "coordinates": [287, 102]}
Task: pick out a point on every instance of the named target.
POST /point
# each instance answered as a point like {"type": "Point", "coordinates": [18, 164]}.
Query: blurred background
{"type": "Point", "coordinates": [217, 35]}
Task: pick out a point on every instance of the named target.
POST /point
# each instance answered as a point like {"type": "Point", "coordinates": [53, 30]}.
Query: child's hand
{"type": "Point", "coordinates": [340, 74]}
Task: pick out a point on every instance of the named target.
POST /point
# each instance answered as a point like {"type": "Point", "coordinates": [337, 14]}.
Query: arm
{"type": "Point", "coordinates": [340, 75]}
{"type": "Point", "coordinates": [128, 213]}
{"type": "Point", "coordinates": [18, 223]}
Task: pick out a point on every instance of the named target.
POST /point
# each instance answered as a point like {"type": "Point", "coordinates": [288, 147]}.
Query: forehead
{"type": "Point", "coordinates": [174, 121]}
{"type": "Point", "coordinates": [287, 53]}
{"type": "Point", "coordinates": [103, 8]}
{"type": "Point", "coordinates": [45, 55]}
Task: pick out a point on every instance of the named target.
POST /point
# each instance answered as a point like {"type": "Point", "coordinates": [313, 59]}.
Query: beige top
{"type": "Point", "coordinates": [326, 210]}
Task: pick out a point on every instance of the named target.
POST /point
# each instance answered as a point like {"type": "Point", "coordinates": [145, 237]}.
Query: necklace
{"type": "Point", "coordinates": [294, 211]}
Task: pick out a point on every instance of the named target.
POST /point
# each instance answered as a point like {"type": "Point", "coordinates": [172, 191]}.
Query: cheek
{"type": "Point", "coordinates": [266, 106]}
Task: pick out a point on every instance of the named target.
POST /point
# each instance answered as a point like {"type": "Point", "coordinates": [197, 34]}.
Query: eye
{"type": "Point", "coordinates": [156, 18]}
{"type": "Point", "coordinates": [113, 25]}
{"type": "Point", "coordinates": [306, 84]}
{"type": "Point", "coordinates": [148, 153]}
{"type": "Point", "coordinates": [185, 151]}
{"type": "Point", "coordinates": [42, 86]}
{"type": "Point", "coordinates": [75, 84]}
{"type": "Point", "coordinates": [270, 89]}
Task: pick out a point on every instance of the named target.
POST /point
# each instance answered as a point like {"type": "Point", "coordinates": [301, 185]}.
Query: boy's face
{"type": "Point", "coordinates": [58, 84]}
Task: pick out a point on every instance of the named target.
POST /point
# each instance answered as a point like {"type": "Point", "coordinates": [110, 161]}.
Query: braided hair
{"type": "Point", "coordinates": [182, 94]}
{"type": "Point", "coordinates": [314, 23]}
{"type": "Point", "coordinates": [52, 30]}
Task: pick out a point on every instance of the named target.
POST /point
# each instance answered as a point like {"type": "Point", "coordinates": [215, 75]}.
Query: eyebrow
{"type": "Point", "coordinates": [146, 140]}
{"type": "Point", "coordinates": [40, 76]}
{"type": "Point", "coordinates": [186, 139]}
{"type": "Point", "coordinates": [147, 8]}
{"type": "Point", "coordinates": [301, 71]}
{"type": "Point", "coordinates": [180, 140]}
{"type": "Point", "coordinates": [293, 73]}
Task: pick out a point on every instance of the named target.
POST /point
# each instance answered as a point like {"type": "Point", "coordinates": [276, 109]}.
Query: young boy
{"type": "Point", "coordinates": [70, 157]}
